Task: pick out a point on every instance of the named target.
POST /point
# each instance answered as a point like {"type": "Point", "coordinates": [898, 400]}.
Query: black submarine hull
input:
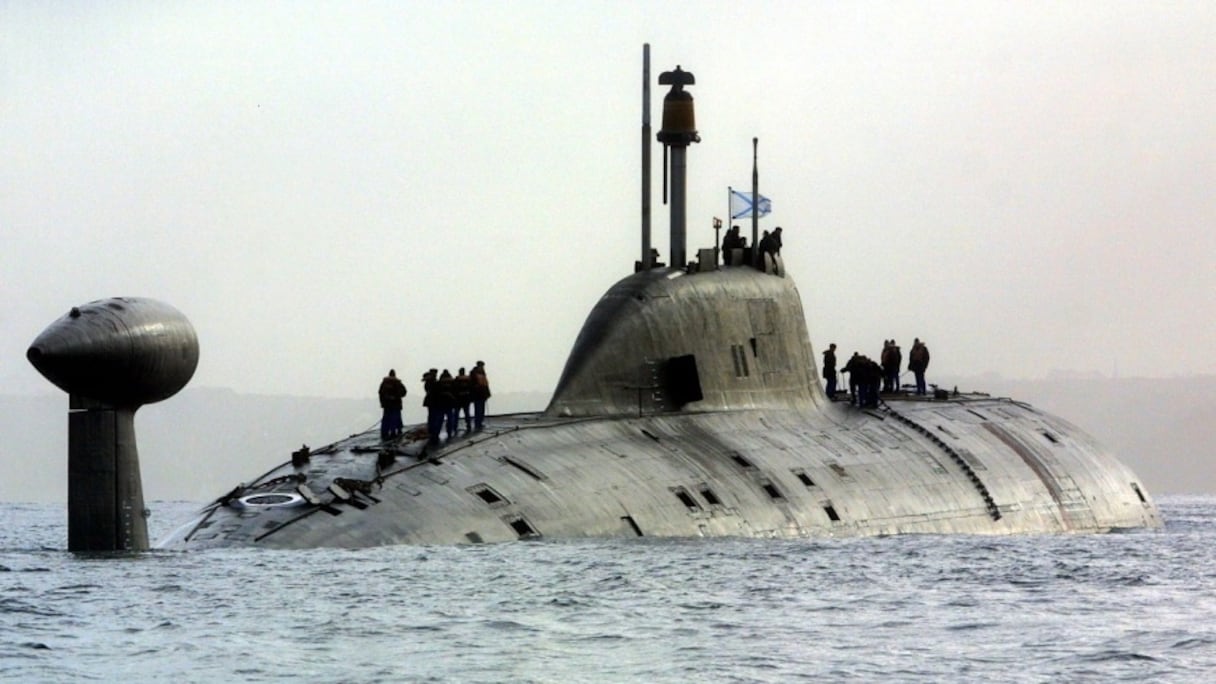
{"type": "Point", "coordinates": [787, 474]}
{"type": "Point", "coordinates": [690, 407]}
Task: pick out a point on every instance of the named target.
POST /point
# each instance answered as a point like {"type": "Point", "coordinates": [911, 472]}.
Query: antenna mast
{"type": "Point", "coordinates": [647, 260]}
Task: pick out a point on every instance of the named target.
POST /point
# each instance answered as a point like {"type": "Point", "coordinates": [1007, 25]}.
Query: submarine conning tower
{"type": "Point", "coordinates": [691, 337]}
{"type": "Point", "coordinates": [668, 340]}
{"type": "Point", "coordinates": [112, 356]}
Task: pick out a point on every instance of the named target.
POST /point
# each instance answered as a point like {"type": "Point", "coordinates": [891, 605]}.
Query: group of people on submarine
{"type": "Point", "coordinates": [867, 375]}
{"type": "Point", "coordinates": [445, 398]}
{"type": "Point", "coordinates": [769, 243]}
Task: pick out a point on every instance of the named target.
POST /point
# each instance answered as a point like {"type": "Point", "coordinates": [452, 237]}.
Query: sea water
{"type": "Point", "coordinates": [1118, 607]}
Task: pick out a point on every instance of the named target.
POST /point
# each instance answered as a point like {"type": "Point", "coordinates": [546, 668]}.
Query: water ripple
{"type": "Point", "coordinates": [1127, 607]}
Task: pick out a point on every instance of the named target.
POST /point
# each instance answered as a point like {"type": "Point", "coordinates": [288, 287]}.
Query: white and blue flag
{"type": "Point", "coordinates": [741, 205]}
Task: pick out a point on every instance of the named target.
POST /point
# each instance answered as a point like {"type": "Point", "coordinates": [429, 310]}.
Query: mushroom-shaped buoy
{"type": "Point", "coordinates": [122, 351]}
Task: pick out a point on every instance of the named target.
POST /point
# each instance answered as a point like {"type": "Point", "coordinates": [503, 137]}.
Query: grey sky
{"type": "Point", "coordinates": [330, 189]}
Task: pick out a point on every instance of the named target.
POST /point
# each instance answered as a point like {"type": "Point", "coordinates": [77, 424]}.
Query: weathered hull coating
{"type": "Point", "coordinates": [747, 473]}
{"type": "Point", "coordinates": [639, 440]}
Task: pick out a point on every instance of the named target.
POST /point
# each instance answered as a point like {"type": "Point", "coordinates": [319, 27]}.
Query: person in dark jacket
{"type": "Point", "coordinates": [865, 376]}
{"type": "Point", "coordinates": [481, 393]}
{"type": "Point", "coordinates": [766, 244]}
{"type": "Point", "coordinates": [434, 412]}
{"type": "Point", "coordinates": [897, 359]}
{"type": "Point", "coordinates": [829, 370]}
{"type": "Point", "coordinates": [392, 391]}
{"type": "Point", "coordinates": [891, 358]}
{"type": "Point", "coordinates": [462, 388]}
{"type": "Point", "coordinates": [853, 368]}
{"type": "Point", "coordinates": [870, 382]}
{"type": "Point", "coordinates": [446, 395]}
{"type": "Point", "coordinates": [918, 363]}
{"type": "Point", "coordinates": [731, 241]}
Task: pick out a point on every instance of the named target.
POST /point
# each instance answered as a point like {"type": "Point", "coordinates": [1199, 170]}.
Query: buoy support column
{"type": "Point", "coordinates": [105, 491]}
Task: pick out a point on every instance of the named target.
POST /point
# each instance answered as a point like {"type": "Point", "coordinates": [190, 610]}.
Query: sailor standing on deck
{"type": "Point", "coordinates": [829, 370]}
{"type": "Point", "coordinates": [730, 242]}
{"type": "Point", "coordinates": [392, 391]}
{"type": "Point", "coordinates": [462, 387]}
{"type": "Point", "coordinates": [481, 392]}
{"type": "Point", "coordinates": [918, 362]}
{"type": "Point", "coordinates": [853, 368]}
{"type": "Point", "coordinates": [445, 391]}
{"type": "Point", "coordinates": [892, 357]}
{"type": "Point", "coordinates": [434, 413]}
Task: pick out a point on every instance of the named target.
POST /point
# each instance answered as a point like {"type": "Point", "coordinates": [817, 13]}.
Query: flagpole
{"type": "Point", "coordinates": [730, 221]}
{"type": "Point", "coordinates": [755, 206]}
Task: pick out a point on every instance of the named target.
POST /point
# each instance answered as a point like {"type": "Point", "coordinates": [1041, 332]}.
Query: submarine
{"type": "Point", "coordinates": [689, 406]}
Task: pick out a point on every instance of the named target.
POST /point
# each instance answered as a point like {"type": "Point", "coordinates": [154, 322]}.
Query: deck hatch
{"type": "Point", "coordinates": [686, 498]}
{"type": "Point", "coordinates": [804, 478]}
{"type": "Point", "coordinates": [771, 489]}
{"type": "Point", "coordinates": [487, 494]}
{"type": "Point", "coordinates": [738, 458]}
{"type": "Point", "coordinates": [709, 496]}
{"type": "Point", "coordinates": [521, 527]}
{"type": "Point", "coordinates": [1136, 489]}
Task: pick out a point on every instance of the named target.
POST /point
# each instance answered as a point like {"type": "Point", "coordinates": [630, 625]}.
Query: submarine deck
{"type": "Point", "coordinates": [968, 463]}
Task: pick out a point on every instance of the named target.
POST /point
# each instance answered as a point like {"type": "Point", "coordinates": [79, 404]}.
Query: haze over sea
{"type": "Point", "coordinates": [1119, 607]}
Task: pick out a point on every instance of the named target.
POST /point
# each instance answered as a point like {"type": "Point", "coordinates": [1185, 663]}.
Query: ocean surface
{"type": "Point", "coordinates": [1101, 608]}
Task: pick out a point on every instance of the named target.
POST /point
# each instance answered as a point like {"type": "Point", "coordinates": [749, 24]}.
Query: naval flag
{"type": "Point", "coordinates": [741, 204]}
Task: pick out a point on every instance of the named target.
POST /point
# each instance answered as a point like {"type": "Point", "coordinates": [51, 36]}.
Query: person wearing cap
{"type": "Point", "coordinates": [480, 393]}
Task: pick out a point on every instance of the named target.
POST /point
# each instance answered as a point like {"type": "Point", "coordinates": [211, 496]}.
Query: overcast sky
{"type": "Point", "coordinates": [328, 190]}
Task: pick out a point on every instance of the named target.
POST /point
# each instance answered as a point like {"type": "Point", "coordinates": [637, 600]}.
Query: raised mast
{"type": "Point", "coordinates": [647, 260]}
{"type": "Point", "coordinates": [679, 131]}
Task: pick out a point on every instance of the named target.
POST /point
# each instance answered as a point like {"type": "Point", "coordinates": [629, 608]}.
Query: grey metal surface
{"type": "Point", "coordinates": [123, 351]}
{"type": "Point", "coordinates": [106, 509]}
{"type": "Point", "coordinates": [745, 329]}
{"type": "Point", "coordinates": [756, 473]}
{"type": "Point", "coordinates": [763, 453]}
